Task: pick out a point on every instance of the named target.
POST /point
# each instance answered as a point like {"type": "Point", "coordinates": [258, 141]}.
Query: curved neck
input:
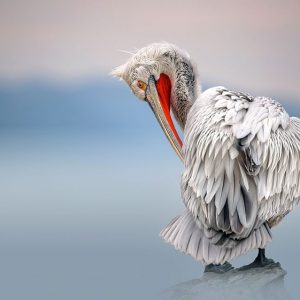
{"type": "Point", "coordinates": [185, 85]}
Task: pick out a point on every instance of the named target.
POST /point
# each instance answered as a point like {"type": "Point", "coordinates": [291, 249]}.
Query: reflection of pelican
{"type": "Point", "coordinates": [260, 284]}
{"type": "Point", "coordinates": [241, 156]}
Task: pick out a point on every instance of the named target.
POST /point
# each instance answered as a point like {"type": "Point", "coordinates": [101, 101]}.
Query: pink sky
{"type": "Point", "coordinates": [251, 45]}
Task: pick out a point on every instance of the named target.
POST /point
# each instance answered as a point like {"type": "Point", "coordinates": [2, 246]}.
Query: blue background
{"type": "Point", "coordinates": [88, 180]}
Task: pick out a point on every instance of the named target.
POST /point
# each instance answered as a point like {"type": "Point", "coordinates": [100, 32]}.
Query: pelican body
{"type": "Point", "coordinates": [241, 156]}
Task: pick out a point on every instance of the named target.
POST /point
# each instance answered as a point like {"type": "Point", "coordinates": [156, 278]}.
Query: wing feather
{"type": "Point", "coordinates": [242, 162]}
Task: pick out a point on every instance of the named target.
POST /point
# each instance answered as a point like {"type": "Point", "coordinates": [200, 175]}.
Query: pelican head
{"type": "Point", "coordinates": [152, 75]}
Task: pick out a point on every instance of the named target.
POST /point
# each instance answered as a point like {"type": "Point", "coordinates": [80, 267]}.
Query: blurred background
{"type": "Point", "coordinates": [87, 178]}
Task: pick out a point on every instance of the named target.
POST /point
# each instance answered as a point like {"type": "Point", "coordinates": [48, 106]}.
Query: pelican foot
{"type": "Point", "coordinates": [260, 261]}
{"type": "Point", "coordinates": [220, 269]}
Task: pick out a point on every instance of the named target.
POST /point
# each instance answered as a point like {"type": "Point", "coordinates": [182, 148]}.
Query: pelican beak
{"type": "Point", "coordinates": [158, 96]}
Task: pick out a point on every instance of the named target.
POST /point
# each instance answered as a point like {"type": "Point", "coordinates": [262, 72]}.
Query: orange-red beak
{"type": "Point", "coordinates": [163, 86]}
{"type": "Point", "coordinates": [158, 95]}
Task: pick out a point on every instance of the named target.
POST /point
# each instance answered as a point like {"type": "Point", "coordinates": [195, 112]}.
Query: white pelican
{"type": "Point", "coordinates": [241, 157]}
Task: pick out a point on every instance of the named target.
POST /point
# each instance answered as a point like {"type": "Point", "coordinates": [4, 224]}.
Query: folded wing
{"type": "Point", "coordinates": [242, 163]}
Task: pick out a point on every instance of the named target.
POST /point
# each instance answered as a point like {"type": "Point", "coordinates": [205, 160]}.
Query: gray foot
{"type": "Point", "coordinates": [260, 261]}
{"type": "Point", "coordinates": [218, 268]}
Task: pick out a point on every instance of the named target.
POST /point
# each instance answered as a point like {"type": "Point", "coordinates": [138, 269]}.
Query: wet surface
{"type": "Point", "coordinates": [76, 223]}
{"type": "Point", "coordinates": [265, 283]}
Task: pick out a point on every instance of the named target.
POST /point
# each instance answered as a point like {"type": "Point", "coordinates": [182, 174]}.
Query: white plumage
{"type": "Point", "coordinates": [241, 177]}
{"type": "Point", "coordinates": [241, 160]}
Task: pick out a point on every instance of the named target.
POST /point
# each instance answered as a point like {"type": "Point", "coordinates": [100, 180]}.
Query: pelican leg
{"type": "Point", "coordinates": [260, 261]}
{"type": "Point", "coordinates": [212, 268]}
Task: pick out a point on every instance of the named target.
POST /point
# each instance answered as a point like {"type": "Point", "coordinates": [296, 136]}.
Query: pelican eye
{"type": "Point", "coordinates": [142, 85]}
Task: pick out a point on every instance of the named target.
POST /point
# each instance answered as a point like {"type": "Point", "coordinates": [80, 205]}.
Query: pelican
{"type": "Point", "coordinates": [241, 157]}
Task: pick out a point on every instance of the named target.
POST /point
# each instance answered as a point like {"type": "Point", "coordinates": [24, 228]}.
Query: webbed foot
{"type": "Point", "coordinates": [260, 261]}
{"type": "Point", "coordinates": [220, 269]}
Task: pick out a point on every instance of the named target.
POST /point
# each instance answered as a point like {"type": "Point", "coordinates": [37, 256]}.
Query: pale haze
{"type": "Point", "coordinates": [87, 177]}
{"type": "Point", "coordinates": [249, 45]}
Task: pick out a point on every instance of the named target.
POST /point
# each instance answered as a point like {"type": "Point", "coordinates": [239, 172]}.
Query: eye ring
{"type": "Point", "coordinates": [142, 85]}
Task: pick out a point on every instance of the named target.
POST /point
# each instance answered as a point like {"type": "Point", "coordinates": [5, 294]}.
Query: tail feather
{"type": "Point", "coordinates": [186, 235]}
